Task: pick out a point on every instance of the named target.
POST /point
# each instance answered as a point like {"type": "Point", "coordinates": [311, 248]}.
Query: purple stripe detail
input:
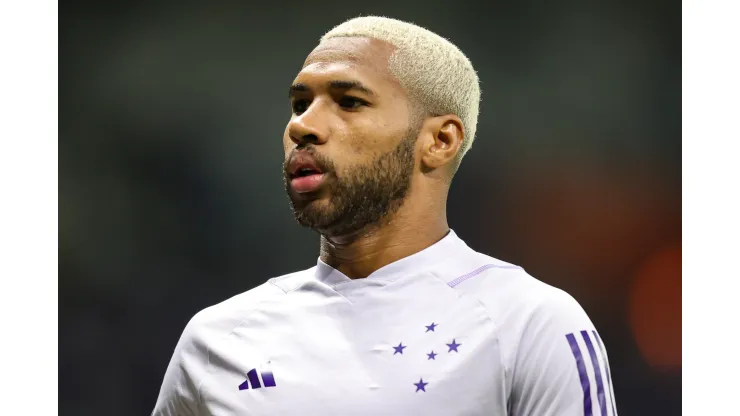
{"type": "Point", "coordinates": [606, 368]}
{"type": "Point", "coordinates": [597, 372]}
{"type": "Point", "coordinates": [244, 386]}
{"type": "Point", "coordinates": [585, 383]}
{"type": "Point", "coordinates": [478, 271]}
{"type": "Point", "coordinates": [268, 379]}
{"type": "Point", "coordinates": [253, 379]}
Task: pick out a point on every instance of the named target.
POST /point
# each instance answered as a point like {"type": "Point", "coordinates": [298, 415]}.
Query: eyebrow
{"type": "Point", "coordinates": [335, 85]}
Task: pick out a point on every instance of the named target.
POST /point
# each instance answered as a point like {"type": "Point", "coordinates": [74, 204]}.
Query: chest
{"type": "Point", "coordinates": [436, 355]}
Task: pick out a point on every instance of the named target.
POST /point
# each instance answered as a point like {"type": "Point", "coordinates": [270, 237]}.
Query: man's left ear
{"type": "Point", "coordinates": [444, 138]}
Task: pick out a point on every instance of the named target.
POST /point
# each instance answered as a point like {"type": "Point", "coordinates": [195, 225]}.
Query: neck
{"type": "Point", "coordinates": [407, 232]}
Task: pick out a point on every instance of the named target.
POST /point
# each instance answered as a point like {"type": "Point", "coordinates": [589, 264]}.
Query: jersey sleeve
{"type": "Point", "coordinates": [561, 367]}
{"type": "Point", "coordinates": [179, 394]}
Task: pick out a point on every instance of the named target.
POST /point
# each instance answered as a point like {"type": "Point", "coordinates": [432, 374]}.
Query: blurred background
{"type": "Point", "coordinates": [171, 118]}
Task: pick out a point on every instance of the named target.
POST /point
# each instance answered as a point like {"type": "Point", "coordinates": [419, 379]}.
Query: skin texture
{"type": "Point", "coordinates": [388, 165]}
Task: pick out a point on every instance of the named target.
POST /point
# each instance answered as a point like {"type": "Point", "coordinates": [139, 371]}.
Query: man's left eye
{"type": "Point", "coordinates": [351, 102]}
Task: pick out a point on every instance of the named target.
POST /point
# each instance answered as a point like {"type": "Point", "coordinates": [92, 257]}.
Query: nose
{"type": "Point", "coordinates": [310, 126]}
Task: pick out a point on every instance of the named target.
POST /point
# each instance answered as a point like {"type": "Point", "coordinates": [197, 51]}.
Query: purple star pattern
{"type": "Point", "coordinates": [431, 327]}
{"type": "Point", "coordinates": [431, 356]}
{"type": "Point", "coordinates": [420, 385]}
{"type": "Point", "coordinates": [399, 349]}
{"type": "Point", "coordinates": [453, 346]}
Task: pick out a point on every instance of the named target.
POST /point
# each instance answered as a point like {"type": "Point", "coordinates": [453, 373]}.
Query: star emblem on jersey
{"type": "Point", "coordinates": [420, 385]}
{"type": "Point", "coordinates": [431, 355]}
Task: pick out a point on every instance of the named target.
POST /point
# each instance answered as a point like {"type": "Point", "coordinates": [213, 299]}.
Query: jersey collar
{"type": "Point", "coordinates": [416, 263]}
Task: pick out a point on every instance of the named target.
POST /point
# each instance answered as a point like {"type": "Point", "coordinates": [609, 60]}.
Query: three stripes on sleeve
{"type": "Point", "coordinates": [597, 362]}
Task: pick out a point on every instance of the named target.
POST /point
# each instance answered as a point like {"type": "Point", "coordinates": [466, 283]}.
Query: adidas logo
{"type": "Point", "coordinates": [253, 379]}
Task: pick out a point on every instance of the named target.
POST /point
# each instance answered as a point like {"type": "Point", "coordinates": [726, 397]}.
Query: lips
{"type": "Point", "coordinates": [305, 174]}
{"type": "Point", "coordinates": [307, 184]}
{"type": "Point", "coordinates": [302, 165]}
{"type": "Point", "coordinates": [302, 171]}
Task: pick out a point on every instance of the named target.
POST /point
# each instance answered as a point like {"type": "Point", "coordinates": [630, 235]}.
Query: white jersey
{"type": "Point", "coordinates": [445, 331]}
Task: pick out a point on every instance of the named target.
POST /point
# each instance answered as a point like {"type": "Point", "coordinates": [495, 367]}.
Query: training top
{"type": "Point", "coordinates": [445, 331]}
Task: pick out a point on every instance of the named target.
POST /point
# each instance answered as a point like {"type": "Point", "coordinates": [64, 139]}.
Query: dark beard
{"type": "Point", "coordinates": [363, 197]}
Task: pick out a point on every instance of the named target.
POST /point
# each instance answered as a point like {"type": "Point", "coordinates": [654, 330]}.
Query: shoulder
{"type": "Point", "coordinates": [525, 310]}
{"type": "Point", "coordinates": [507, 290]}
{"type": "Point", "coordinates": [227, 314]}
{"type": "Point", "coordinates": [191, 356]}
{"type": "Point", "coordinates": [188, 367]}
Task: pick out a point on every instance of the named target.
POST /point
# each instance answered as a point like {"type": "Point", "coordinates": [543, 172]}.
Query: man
{"type": "Point", "coordinates": [399, 316]}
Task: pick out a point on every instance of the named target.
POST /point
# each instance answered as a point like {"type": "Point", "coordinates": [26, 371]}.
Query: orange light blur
{"type": "Point", "coordinates": [655, 309]}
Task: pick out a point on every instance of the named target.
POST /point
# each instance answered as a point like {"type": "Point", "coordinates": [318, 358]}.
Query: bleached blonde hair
{"type": "Point", "coordinates": [433, 71]}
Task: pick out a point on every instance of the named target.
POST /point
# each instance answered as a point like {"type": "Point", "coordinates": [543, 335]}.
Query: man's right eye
{"type": "Point", "coordinates": [300, 106]}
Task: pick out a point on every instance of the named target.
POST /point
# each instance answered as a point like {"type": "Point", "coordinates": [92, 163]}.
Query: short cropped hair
{"type": "Point", "coordinates": [434, 72]}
